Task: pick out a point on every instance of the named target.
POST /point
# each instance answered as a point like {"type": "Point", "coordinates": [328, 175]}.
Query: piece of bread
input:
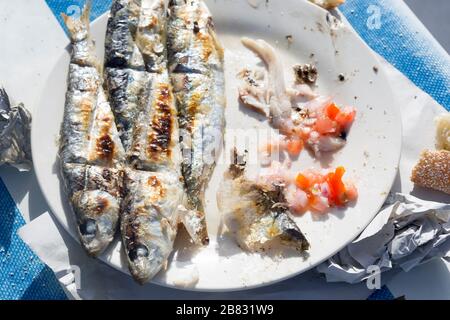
{"type": "Point", "coordinates": [433, 170]}
{"type": "Point", "coordinates": [443, 132]}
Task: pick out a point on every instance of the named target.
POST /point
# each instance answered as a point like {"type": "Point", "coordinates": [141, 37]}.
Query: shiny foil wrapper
{"type": "Point", "coordinates": [15, 129]}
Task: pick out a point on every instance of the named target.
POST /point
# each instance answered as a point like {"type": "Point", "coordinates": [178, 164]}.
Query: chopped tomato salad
{"type": "Point", "coordinates": [319, 192]}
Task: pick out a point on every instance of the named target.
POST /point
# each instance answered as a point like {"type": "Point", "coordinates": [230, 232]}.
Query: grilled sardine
{"type": "Point", "coordinates": [196, 61]}
{"type": "Point", "coordinates": [91, 153]}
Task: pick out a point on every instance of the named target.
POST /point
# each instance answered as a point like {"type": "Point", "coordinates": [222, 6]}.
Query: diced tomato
{"type": "Point", "coordinates": [314, 177]}
{"type": "Point", "coordinates": [332, 111]}
{"type": "Point", "coordinates": [302, 182]}
{"type": "Point", "coordinates": [325, 125]}
{"type": "Point", "coordinates": [294, 146]}
{"type": "Point", "coordinates": [337, 187]}
{"type": "Point", "coordinates": [351, 192]}
{"type": "Point", "coordinates": [345, 118]}
{"type": "Point", "coordinates": [339, 172]}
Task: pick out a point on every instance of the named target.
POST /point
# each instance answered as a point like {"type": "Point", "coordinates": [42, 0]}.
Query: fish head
{"type": "Point", "coordinates": [148, 247]}
{"type": "Point", "coordinates": [97, 212]}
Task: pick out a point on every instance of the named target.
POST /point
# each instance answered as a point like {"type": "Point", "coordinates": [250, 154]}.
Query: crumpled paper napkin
{"type": "Point", "coordinates": [15, 144]}
{"type": "Point", "coordinates": [408, 231]}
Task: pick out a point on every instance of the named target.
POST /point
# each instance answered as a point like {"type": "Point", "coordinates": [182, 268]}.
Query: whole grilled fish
{"type": "Point", "coordinates": [196, 62]}
{"type": "Point", "coordinates": [141, 95]}
{"type": "Point", "coordinates": [91, 153]}
{"type": "Point", "coordinates": [256, 213]}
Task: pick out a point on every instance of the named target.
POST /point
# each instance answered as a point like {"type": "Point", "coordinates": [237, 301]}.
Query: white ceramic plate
{"type": "Point", "coordinates": [370, 156]}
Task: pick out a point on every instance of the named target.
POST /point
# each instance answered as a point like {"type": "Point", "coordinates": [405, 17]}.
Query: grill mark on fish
{"type": "Point", "coordinates": [196, 27]}
{"type": "Point", "coordinates": [105, 147]}
{"type": "Point", "coordinates": [207, 45]}
{"type": "Point", "coordinates": [193, 107]}
{"type": "Point", "coordinates": [162, 123]}
{"type": "Point", "coordinates": [90, 151]}
{"type": "Point", "coordinates": [86, 114]}
{"type": "Point", "coordinates": [157, 186]}
{"type": "Point", "coordinates": [102, 204]}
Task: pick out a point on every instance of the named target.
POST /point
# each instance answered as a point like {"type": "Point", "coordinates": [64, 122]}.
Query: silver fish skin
{"type": "Point", "coordinates": [135, 36]}
{"type": "Point", "coordinates": [155, 143]}
{"type": "Point", "coordinates": [196, 62]}
{"type": "Point", "coordinates": [120, 49]}
{"type": "Point", "coordinates": [95, 196]}
{"type": "Point", "coordinates": [149, 220]}
{"type": "Point", "coordinates": [126, 90]}
{"type": "Point", "coordinates": [134, 50]}
{"type": "Point", "coordinates": [257, 213]}
{"type": "Point", "coordinates": [193, 46]}
{"type": "Point", "coordinates": [91, 153]}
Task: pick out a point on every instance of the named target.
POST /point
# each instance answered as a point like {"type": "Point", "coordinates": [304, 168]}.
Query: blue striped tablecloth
{"type": "Point", "coordinates": [387, 26]}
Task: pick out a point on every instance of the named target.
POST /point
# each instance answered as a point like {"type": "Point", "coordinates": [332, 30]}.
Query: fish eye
{"type": "Point", "coordinates": [88, 227]}
{"type": "Point", "coordinates": [138, 251]}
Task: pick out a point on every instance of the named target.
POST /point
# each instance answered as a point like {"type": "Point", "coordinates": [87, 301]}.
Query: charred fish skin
{"type": "Point", "coordinates": [90, 149]}
{"type": "Point", "coordinates": [155, 143]}
{"type": "Point", "coordinates": [135, 36]}
{"type": "Point", "coordinates": [134, 51]}
{"type": "Point", "coordinates": [94, 194]}
{"type": "Point", "coordinates": [120, 49]}
{"type": "Point", "coordinates": [126, 88]}
{"type": "Point", "coordinates": [201, 121]}
{"type": "Point", "coordinates": [144, 105]}
{"type": "Point", "coordinates": [257, 213]}
{"type": "Point", "coordinates": [192, 39]}
{"type": "Point", "coordinates": [196, 62]}
{"type": "Point", "coordinates": [149, 220]}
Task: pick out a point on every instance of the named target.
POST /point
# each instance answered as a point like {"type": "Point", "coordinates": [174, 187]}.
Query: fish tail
{"type": "Point", "coordinates": [78, 27]}
{"type": "Point", "coordinates": [195, 224]}
{"type": "Point", "coordinates": [4, 100]}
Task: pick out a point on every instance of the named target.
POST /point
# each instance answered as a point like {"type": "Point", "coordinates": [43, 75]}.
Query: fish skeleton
{"type": "Point", "coordinates": [257, 212]}
{"type": "Point", "coordinates": [91, 153]}
{"type": "Point", "coordinates": [196, 68]}
{"type": "Point", "coordinates": [310, 121]}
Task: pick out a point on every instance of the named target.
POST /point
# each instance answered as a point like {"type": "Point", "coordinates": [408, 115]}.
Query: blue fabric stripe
{"type": "Point", "coordinates": [381, 294]}
{"type": "Point", "coordinates": [22, 274]}
{"type": "Point", "coordinates": [399, 42]}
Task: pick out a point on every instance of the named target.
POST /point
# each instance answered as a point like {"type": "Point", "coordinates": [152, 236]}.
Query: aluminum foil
{"type": "Point", "coordinates": [408, 232]}
{"type": "Point", "coordinates": [15, 128]}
